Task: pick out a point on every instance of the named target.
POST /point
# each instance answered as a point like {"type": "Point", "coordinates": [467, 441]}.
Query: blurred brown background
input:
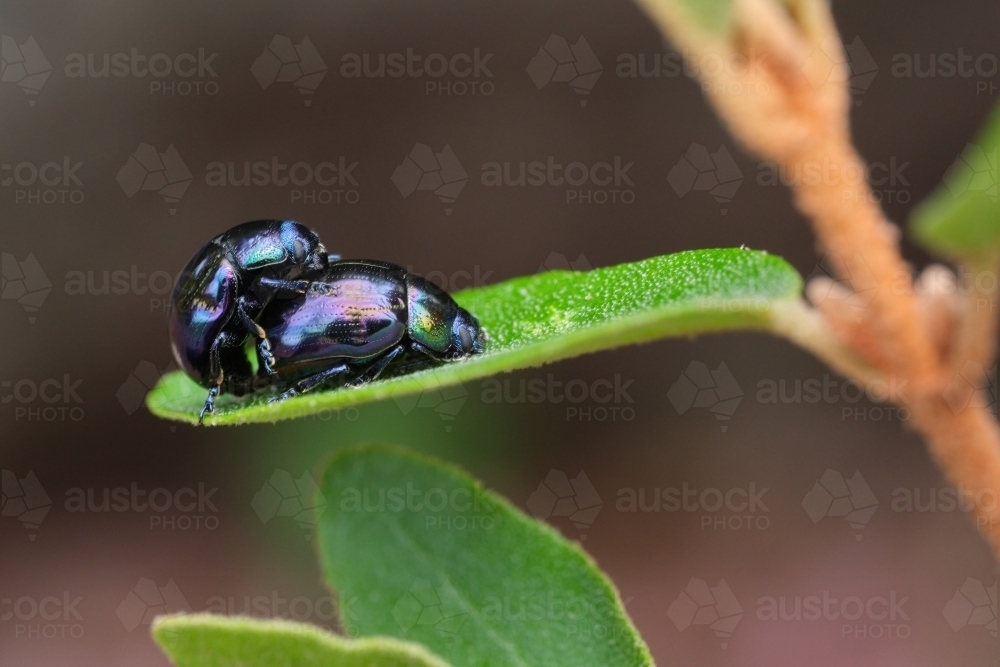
{"type": "Point", "coordinates": [91, 354]}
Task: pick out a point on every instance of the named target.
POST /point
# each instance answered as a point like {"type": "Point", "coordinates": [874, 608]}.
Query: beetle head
{"type": "Point", "coordinates": [305, 251]}
{"type": "Point", "coordinates": [467, 337]}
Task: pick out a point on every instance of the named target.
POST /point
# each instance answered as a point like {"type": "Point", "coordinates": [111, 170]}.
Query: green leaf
{"type": "Point", "coordinates": [713, 16]}
{"type": "Point", "coordinates": [698, 20]}
{"type": "Point", "coordinates": [961, 220]}
{"type": "Point", "coordinates": [546, 317]}
{"type": "Point", "coordinates": [204, 640]}
{"type": "Point", "coordinates": [426, 554]}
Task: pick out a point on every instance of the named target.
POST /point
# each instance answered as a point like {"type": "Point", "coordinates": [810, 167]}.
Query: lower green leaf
{"type": "Point", "coordinates": [426, 554]}
{"type": "Point", "coordinates": [550, 316]}
{"type": "Point", "coordinates": [204, 640]}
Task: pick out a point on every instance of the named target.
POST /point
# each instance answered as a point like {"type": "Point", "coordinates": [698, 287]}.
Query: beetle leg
{"type": "Point", "coordinates": [213, 391]}
{"type": "Point", "coordinates": [215, 371]}
{"type": "Point", "coordinates": [310, 382]}
{"type": "Point", "coordinates": [372, 372]}
{"type": "Point", "coordinates": [254, 329]}
{"type": "Point", "coordinates": [225, 342]}
{"type": "Point", "coordinates": [430, 359]}
{"type": "Point", "coordinates": [436, 356]}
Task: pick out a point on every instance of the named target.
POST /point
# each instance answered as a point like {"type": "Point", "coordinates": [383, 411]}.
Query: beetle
{"type": "Point", "coordinates": [359, 318]}
{"type": "Point", "coordinates": [222, 290]}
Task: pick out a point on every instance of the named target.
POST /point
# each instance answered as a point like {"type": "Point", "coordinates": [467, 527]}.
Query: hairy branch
{"type": "Point", "coordinates": [789, 103]}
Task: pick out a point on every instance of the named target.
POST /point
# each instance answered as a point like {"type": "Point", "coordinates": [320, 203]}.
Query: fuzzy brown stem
{"type": "Point", "coordinates": [966, 446]}
{"type": "Point", "coordinates": [849, 224]}
{"type": "Point", "coordinates": [792, 107]}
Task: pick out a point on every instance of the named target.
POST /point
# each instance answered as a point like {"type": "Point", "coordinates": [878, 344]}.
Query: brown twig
{"type": "Point", "coordinates": [790, 105]}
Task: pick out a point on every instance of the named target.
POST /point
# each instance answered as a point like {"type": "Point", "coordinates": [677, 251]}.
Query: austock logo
{"type": "Point", "coordinates": [559, 496]}
{"type": "Point", "coordinates": [982, 67]}
{"type": "Point", "coordinates": [556, 261]}
{"type": "Point", "coordinates": [24, 282]}
{"type": "Point", "coordinates": [425, 606]}
{"type": "Point", "coordinates": [600, 182]}
{"type": "Point", "coordinates": [973, 386]}
{"type": "Point", "coordinates": [974, 170]}
{"type": "Point", "coordinates": [701, 171]}
{"type": "Point", "coordinates": [568, 613]}
{"type": "Point", "coordinates": [973, 605]}
{"type": "Point", "coordinates": [48, 617]}
{"type": "Point", "coordinates": [699, 387]}
{"type": "Point", "coordinates": [329, 181]}
{"type": "Point", "coordinates": [61, 401]}
{"type": "Point", "coordinates": [604, 399]}
{"type": "Point", "coordinates": [736, 508]}
{"type": "Point", "coordinates": [701, 604]}
{"type": "Point", "coordinates": [833, 496]}
{"type": "Point", "coordinates": [886, 394]}
{"type": "Point", "coordinates": [423, 169]}
{"type": "Point", "coordinates": [862, 68]}
{"type": "Point", "coordinates": [146, 601]}
{"type": "Point", "coordinates": [334, 178]}
{"type": "Point", "coordinates": [436, 394]}
{"type": "Point", "coordinates": [948, 499]}
{"type": "Point", "coordinates": [859, 67]}
{"type": "Point", "coordinates": [284, 496]}
{"type": "Point", "coordinates": [156, 285]}
{"type": "Point", "coordinates": [458, 75]}
{"type": "Point", "coordinates": [24, 65]}
{"type": "Point", "coordinates": [132, 393]}
{"type": "Point", "coordinates": [559, 62]}
{"type": "Point", "coordinates": [877, 181]}
{"type": "Point", "coordinates": [321, 610]}
{"type": "Point", "coordinates": [148, 169]}
{"type": "Point", "coordinates": [284, 62]}
{"type": "Point", "coordinates": [861, 617]}
{"type": "Point", "coordinates": [181, 75]}
{"type": "Point", "coordinates": [51, 182]}
{"type": "Point", "coordinates": [185, 508]}
{"type": "Point", "coordinates": [25, 500]}
{"type": "Point", "coordinates": [848, 281]}
{"type": "Point", "coordinates": [456, 280]}
{"type": "Point", "coordinates": [441, 508]}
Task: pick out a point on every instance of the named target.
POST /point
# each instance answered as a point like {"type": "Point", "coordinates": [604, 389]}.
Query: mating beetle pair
{"type": "Point", "coordinates": [316, 318]}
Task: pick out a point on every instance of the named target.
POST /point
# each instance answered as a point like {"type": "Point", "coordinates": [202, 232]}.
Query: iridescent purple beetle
{"type": "Point", "coordinates": [316, 319]}
{"type": "Point", "coordinates": [224, 288]}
